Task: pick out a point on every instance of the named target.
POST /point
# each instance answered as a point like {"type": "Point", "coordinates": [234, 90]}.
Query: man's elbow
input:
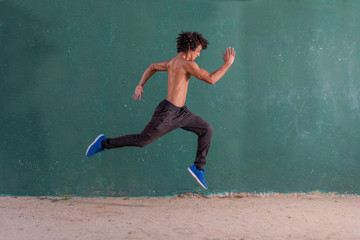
{"type": "Point", "coordinates": [152, 68]}
{"type": "Point", "coordinates": [211, 80]}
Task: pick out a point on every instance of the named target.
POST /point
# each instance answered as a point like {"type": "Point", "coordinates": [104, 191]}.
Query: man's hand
{"type": "Point", "coordinates": [138, 91]}
{"type": "Point", "coordinates": [229, 56]}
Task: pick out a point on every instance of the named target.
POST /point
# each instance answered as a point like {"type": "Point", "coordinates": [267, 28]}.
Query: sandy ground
{"type": "Point", "coordinates": [188, 216]}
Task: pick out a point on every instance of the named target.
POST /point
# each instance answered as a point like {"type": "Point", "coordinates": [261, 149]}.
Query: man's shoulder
{"type": "Point", "coordinates": [182, 61]}
{"type": "Point", "coordinates": [177, 62]}
{"type": "Point", "coordinates": [190, 65]}
{"type": "Point", "coordinates": [177, 59]}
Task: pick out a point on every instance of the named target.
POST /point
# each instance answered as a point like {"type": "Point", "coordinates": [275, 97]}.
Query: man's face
{"type": "Point", "coordinates": [196, 53]}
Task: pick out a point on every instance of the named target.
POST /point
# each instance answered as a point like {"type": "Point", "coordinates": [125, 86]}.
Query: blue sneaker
{"type": "Point", "coordinates": [95, 146]}
{"type": "Point", "coordinates": [198, 175]}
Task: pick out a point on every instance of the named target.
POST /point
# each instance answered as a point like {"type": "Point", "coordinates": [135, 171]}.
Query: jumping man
{"type": "Point", "coordinates": [172, 113]}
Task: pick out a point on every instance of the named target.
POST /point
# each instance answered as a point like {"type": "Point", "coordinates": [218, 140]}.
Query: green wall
{"type": "Point", "coordinates": [286, 115]}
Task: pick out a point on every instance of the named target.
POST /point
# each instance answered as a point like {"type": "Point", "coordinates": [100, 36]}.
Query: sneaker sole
{"type": "Point", "coordinates": [86, 154]}
{"type": "Point", "coordinates": [192, 174]}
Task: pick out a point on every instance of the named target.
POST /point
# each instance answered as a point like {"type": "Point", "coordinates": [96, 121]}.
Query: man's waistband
{"type": "Point", "coordinates": [170, 105]}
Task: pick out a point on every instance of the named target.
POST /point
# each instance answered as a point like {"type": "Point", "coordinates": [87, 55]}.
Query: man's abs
{"type": "Point", "coordinates": [176, 96]}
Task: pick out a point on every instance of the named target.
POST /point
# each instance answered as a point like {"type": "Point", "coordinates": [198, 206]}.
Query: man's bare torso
{"type": "Point", "coordinates": [180, 69]}
{"type": "Point", "coordinates": [178, 81]}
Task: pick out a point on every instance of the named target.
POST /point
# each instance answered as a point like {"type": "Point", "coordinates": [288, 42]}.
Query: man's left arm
{"type": "Point", "coordinates": [212, 78]}
{"type": "Point", "coordinates": [153, 68]}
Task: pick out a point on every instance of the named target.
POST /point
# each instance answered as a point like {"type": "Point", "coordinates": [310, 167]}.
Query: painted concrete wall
{"type": "Point", "coordinates": [286, 115]}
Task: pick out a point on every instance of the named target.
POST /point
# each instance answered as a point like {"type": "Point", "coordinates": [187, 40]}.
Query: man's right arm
{"type": "Point", "coordinates": [153, 68]}
{"type": "Point", "coordinates": [212, 78]}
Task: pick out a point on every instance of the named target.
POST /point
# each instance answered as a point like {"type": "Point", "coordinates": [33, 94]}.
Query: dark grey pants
{"type": "Point", "coordinates": [168, 117]}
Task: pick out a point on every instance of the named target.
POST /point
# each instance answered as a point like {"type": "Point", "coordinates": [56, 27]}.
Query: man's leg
{"type": "Point", "coordinates": [160, 124]}
{"type": "Point", "coordinates": [204, 130]}
{"type": "Point", "coordinates": [194, 123]}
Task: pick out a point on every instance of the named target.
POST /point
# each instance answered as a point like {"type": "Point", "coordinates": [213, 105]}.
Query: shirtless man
{"type": "Point", "coordinates": [171, 113]}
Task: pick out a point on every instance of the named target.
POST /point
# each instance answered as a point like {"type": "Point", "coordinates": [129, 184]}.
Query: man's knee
{"type": "Point", "coordinates": [209, 129]}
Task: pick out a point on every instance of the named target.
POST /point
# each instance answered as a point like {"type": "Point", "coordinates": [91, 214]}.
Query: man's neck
{"type": "Point", "coordinates": [185, 56]}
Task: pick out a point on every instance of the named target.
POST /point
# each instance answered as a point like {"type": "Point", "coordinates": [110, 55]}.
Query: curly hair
{"type": "Point", "coordinates": [190, 41]}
